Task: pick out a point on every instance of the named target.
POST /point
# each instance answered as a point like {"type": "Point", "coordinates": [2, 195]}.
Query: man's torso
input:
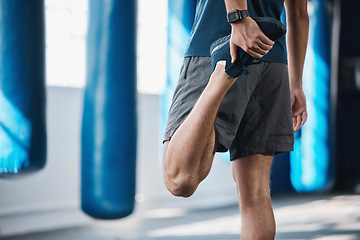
{"type": "Point", "coordinates": [210, 24]}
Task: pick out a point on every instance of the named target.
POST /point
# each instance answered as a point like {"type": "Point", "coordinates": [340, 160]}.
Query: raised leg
{"type": "Point", "coordinates": [189, 154]}
{"type": "Point", "coordinates": [251, 175]}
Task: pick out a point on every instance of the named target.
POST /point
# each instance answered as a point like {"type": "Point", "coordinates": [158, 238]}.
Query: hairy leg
{"type": "Point", "coordinates": [251, 175]}
{"type": "Point", "coordinates": [189, 154]}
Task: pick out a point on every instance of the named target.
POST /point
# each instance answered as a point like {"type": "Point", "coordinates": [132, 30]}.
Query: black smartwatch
{"type": "Point", "coordinates": [237, 15]}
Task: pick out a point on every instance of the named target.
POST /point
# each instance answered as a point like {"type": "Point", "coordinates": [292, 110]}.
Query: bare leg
{"type": "Point", "coordinates": [189, 154]}
{"type": "Point", "coordinates": [251, 175]}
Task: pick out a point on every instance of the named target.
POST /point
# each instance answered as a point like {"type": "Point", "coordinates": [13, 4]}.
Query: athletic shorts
{"type": "Point", "coordinates": [255, 116]}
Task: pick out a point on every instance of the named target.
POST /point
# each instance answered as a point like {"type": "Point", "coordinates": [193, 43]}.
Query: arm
{"type": "Point", "coordinates": [297, 36]}
{"type": "Point", "coordinates": [246, 33]}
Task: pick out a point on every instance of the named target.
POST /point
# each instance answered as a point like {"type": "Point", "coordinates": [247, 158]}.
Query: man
{"type": "Point", "coordinates": [254, 116]}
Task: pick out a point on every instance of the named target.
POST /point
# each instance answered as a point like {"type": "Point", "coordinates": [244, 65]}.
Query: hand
{"type": "Point", "coordinates": [248, 35]}
{"type": "Point", "coordinates": [298, 104]}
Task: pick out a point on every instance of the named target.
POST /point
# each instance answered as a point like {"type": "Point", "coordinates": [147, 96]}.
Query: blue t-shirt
{"type": "Point", "coordinates": [210, 24]}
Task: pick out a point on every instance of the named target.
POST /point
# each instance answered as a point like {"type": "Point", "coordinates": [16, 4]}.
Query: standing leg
{"type": "Point", "coordinates": [189, 154]}
{"type": "Point", "coordinates": [251, 175]}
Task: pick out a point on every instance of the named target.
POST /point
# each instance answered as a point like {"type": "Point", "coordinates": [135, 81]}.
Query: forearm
{"type": "Point", "coordinates": [297, 37]}
{"type": "Point", "coordinates": [235, 4]}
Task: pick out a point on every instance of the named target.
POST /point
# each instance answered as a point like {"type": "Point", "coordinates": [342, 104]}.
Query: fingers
{"type": "Point", "coordinates": [260, 47]}
{"type": "Point", "coordinates": [266, 40]}
{"type": "Point", "coordinates": [254, 54]}
{"type": "Point", "coordinates": [304, 118]}
{"type": "Point", "coordinates": [296, 123]}
{"type": "Point", "coordinates": [233, 49]}
{"type": "Point", "coordinates": [264, 46]}
{"type": "Point", "coordinates": [299, 120]}
{"type": "Point", "coordinates": [257, 49]}
{"type": "Point", "coordinates": [260, 51]}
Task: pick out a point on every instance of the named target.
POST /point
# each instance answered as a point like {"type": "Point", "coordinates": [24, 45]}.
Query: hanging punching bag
{"type": "Point", "coordinates": [22, 87]}
{"type": "Point", "coordinates": [109, 118]}
{"type": "Point", "coordinates": [312, 166]}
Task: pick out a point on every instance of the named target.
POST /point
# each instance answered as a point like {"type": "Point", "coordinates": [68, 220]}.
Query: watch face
{"type": "Point", "coordinates": [233, 16]}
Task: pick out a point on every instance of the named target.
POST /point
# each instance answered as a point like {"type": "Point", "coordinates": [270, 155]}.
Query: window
{"type": "Point", "coordinates": [66, 28]}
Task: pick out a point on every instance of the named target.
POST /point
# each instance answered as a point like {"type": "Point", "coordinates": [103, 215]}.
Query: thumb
{"type": "Point", "coordinates": [233, 49]}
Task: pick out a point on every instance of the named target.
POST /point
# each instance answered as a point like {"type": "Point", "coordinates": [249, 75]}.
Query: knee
{"type": "Point", "coordinates": [253, 195]}
{"type": "Point", "coordinates": [180, 186]}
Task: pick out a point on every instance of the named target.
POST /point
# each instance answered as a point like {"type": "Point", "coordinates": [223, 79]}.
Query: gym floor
{"type": "Point", "coordinates": [298, 217]}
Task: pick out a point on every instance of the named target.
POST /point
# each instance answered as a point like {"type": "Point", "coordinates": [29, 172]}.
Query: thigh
{"type": "Point", "coordinates": [194, 76]}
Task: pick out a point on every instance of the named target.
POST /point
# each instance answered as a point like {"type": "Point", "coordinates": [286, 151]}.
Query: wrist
{"type": "Point", "coordinates": [237, 15]}
{"type": "Point", "coordinates": [295, 83]}
{"type": "Point", "coordinates": [241, 21]}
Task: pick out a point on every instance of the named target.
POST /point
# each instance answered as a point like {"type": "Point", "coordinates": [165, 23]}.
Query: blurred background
{"type": "Point", "coordinates": [87, 47]}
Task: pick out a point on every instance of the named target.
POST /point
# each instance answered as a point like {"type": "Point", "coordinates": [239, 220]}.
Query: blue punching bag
{"type": "Point", "coordinates": [181, 15]}
{"type": "Point", "coordinates": [22, 87]}
{"type": "Point", "coordinates": [109, 118]}
{"type": "Point", "coordinates": [312, 166]}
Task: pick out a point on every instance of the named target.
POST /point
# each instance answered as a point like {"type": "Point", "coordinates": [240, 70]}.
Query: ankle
{"type": "Point", "coordinates": [219, 73]}
{"type": "Point", "coordinates": [258, 234]}
{"type": "Point", "coordinates": [221, 79]}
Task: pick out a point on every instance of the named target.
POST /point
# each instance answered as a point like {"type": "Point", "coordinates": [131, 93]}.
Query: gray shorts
{"type": "Point", "coordinates": [255, 115]}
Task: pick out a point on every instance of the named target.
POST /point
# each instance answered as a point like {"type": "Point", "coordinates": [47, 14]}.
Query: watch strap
{"type": "Point", "coordinates": [237, 15]}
